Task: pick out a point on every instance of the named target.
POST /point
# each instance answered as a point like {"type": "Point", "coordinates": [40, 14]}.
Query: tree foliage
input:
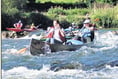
{"type": "Point", "coordinates": [65, 11]}
{"type": "Point", "coordinates": [11, 7]}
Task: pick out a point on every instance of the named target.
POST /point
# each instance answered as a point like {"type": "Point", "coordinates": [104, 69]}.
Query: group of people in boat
{"type": "Point", "coordinates": [56, 33]}
{"type": "Point", "coordinates": [19, 25]}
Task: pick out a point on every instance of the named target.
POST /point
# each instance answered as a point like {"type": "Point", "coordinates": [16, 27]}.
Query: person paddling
{"type": "Point", "coordinates": [18, 25]}
{"type": "Point", "coordinates": [32, 27]}
{"type": "Point", "coordinates": [86, 33]}
{"type": "Point", "coordinates": [56, 34]}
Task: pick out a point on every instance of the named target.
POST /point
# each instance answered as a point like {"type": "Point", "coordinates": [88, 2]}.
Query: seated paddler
{"type": "Point", "coordinates": [86, 34]}
{"type": "Point", "coordinates": [32, 27]}
{"type": "Point", "coordinates": [56, 34]}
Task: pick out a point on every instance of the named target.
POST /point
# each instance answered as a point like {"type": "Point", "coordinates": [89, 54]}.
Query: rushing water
{"type": "Point", "coordinates": [95, 62]}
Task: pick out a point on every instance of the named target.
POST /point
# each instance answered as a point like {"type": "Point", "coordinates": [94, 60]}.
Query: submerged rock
{"type": "Point", "coordinates": [113, 63]}
{"type": "Point", "coordinates": [10, 34]}
{"type": "Point", "coordinates": [5, 34]}
{"type": "Point", "coordinates": [56, 66]}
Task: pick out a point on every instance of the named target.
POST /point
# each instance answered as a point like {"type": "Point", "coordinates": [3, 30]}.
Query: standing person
{"type": "Point", "coordinates": [56, 34]}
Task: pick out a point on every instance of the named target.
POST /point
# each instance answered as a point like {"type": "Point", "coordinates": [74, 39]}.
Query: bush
{"type": "Point", "coordinates": [56, 10]}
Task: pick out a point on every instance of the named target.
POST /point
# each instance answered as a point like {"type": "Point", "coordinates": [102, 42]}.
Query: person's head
{"type": "Point", "coordinates": [32, 24]}
{"type": "Point", "coordinates": [56, 23]}
{"type": "Point", "coordinates": [86, 22]}
{"type": "Point", "coordinates": [73, 24]}
{"type": "Point", "coordinates": [19, 21]}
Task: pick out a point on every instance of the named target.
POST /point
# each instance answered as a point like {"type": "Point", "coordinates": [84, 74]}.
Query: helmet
{"type": "Point", "coordinates": [32, 24]}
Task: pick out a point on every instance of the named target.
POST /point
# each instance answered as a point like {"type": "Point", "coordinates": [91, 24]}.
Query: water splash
{"type": "Point", "coordinates": [25, 73]}
{"type": "Point", "coordinates": [86, 63]}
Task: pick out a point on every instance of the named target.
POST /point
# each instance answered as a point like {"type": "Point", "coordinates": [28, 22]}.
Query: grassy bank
{"type": "Point", "coordinates": [102, 17]}
{"type": "Point", "coordinates": [106, 17]}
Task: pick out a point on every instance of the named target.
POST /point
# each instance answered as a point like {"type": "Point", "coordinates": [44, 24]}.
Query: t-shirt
{"type": "Point", "coordinates": [56, 34]}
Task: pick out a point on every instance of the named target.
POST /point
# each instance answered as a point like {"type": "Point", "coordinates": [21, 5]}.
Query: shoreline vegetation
{"type": "Point", "coordinates": [6, 34]}
{"type": "Point", "coordinates": [103, 14]}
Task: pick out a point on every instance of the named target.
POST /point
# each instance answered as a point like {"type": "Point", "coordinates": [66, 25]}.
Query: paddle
{"type": "Point", "coordinates": [38, 26]}
{"type": "Point", "coordinates": [23, 50]}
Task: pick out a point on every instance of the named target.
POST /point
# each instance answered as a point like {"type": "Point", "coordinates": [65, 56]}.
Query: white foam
{"type": "Point", "coordinates": [107, 39]}
{"type": "Point", "coordinates": [26, 73]}
{"type": "Point", "coordinates": [10, 51]}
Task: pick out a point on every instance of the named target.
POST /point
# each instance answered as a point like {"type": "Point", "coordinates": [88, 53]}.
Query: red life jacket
{"type": "Point", "coordinates": [62, 37]}
{"type": "Point", "coordinates": [50, 35]}
{"type": "Point", "coordinates": [19, 25]}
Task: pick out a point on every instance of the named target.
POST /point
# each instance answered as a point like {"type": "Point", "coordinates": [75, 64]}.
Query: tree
{"type": "Point", "coordinates": [11, 7]}
{"type": "Point", "coordinates": [7, 7]}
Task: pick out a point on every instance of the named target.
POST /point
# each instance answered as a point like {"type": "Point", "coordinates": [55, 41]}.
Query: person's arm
{"type": "Point", "coordinates": [15, 25]}
{"type": "Point", "coordinates": [62, 32]}
{"type": "Point", "coordinates": [21, 24]}
{"type": "Point", "coordinates": [91, 28]}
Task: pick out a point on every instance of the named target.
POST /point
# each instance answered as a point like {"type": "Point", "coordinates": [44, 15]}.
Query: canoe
{"type": "Point", "coordinates": [29, 30]}
{"type": "Point", "coordinates": [19, 30]}
{"type": "Point", "coordinates": [14, 29]}
{"type": "Point", "coordinates": [38, 47]}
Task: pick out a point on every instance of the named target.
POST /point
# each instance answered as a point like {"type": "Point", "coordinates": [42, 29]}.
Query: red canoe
{"type": "Point", "coordinates": [19, 30]}
{"type": "Point", "coordinates": [14, 29]}
{"type": "Point", "coordinates": [29, 30]}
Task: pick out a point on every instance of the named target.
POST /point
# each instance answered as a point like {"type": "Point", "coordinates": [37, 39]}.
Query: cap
{"type": "Point", "coordinates": [86, 21]}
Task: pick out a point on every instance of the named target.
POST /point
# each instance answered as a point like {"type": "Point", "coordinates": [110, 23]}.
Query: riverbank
{"type": "Point", "coordinates": [9, 34]}
{"type": "Point", "coordinates": [5, 34]}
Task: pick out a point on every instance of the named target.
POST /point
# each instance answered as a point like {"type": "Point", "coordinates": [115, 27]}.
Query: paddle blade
{"type": "Point", "coordinates": [23, 50]}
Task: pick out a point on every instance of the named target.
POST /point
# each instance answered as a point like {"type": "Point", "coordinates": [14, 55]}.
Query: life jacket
{"type": "Point", "coordinates": [62, 37]}
{"type": "Point", "coordinates": [18, 25]}
{"type": "Point", "coordinates": [86, 32]}
{"type": "Point", "coordinates": [50, 35]}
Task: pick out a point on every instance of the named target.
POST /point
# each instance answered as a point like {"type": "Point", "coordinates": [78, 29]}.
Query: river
{"type": "Point", "coordinates": [96, 62]}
